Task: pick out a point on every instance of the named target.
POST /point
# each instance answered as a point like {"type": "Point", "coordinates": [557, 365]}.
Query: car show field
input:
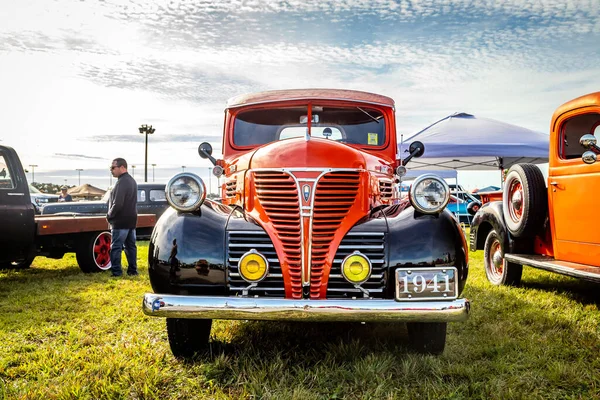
{"type": "Point", "coordinates": [66, 334]}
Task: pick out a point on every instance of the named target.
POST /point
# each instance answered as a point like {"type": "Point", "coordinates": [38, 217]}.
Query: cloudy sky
{"type": "Point", "coordinates": [77, 78]}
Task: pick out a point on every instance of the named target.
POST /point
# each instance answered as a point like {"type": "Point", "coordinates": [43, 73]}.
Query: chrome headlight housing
{"type": "Point", "coordinates": [429, 194]}
{"type": "Point", "coordinates": [185, 192]}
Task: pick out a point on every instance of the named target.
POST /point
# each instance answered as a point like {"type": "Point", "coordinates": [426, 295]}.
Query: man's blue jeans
{"type": "Point", "coordinates": [123, 238]}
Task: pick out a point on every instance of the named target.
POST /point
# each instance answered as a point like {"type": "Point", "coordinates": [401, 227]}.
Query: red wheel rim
{"type": "Point", "coordinates": [515, 200]}
{"type": "Point", "coordinates": [475, 208]}
{"type": "Point", "coordinates": [102, 250]}
{"type": "Point", "coordinates": [496, 259]}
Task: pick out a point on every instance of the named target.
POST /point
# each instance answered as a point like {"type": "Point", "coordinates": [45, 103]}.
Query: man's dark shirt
{"type": "Point", "coordinates": [122, 204]}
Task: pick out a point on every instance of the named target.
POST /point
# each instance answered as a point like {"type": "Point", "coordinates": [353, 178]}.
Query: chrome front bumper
{"type": "Point", "coordinates": [270, 309]}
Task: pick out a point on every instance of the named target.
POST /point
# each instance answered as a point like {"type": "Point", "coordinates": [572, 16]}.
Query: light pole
{"type": "Point", "coordinates": [133, 170]}
{"type": "Point", "coordinates": [209, 180]}
{"type": "Point", "coordinates": [146, 129]}
{"type": "Point", "coordinates": [153, 165]}
{"type": "Point", "coordinates": [183, 168]}
{"type": "Point", "coordinates": [33, 172]}
{"type": "Point", "coordinates": [79, 175]}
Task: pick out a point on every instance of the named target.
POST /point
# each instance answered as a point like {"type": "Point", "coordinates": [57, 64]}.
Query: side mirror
{"type": "Point", "coordinates": [589, 157]}
{"type": "Point", "coordinates": [588, 141]}
{"type": "Point", "coordinates": [205, 151]}
{"type": "Point", "coordinates": [416, 149]}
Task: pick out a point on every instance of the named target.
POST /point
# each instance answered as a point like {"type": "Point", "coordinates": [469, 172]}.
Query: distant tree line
{"type": "Point", "coordinates": [50, 188]}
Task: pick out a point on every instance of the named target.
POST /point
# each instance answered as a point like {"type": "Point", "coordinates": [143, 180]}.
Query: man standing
{"type": "Point", "coordinates": [122, 216]}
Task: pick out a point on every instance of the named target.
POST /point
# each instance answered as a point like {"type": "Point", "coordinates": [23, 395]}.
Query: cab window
{"type": "Point", "coordinates": [572, 130]}
{"type": "Point", "coordinates": [141, 197]}
{"type": "Point", "coordinates": [157, 195]}
{"type": "Point", "coordinates": [6, 180]}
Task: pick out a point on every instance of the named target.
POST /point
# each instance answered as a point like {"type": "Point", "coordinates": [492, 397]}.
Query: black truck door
{"type": "Point", "coordinates": [17, 224]}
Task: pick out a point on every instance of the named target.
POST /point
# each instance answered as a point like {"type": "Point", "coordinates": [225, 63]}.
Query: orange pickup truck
{"type": "Point", "coordinates": [548, 226]}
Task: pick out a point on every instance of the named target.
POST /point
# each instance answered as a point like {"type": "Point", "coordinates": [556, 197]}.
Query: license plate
{"type": "Point", "coordinates": [438, 283]}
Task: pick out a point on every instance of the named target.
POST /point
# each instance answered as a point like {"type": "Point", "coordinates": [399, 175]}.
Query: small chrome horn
{"type": "Point", "coordinates": [589, 157]}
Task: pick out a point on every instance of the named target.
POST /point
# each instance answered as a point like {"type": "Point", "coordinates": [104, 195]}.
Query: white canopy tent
{"type": "Point", "coordinates": [462, 141]}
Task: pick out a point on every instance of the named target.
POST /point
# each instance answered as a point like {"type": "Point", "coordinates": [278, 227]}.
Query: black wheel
{"type": "Point", "coordinates": [188, 336]}
{"type": "Point", "coordinates": [93, 252]}
{"type": "Point", "coordinates": [525, 200]}
{"type": "Point", "coordinates": [20, 264]}
{"type": "Point", "coordinates": [427, 337]}
{"type": "Point", "coordinates": [497, 269]}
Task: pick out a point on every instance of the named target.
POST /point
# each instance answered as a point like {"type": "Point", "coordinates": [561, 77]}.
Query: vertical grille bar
{"type": "Point", "coordinates": [277, 193]}
{"type": "Point", "coordinates": [335, 193]}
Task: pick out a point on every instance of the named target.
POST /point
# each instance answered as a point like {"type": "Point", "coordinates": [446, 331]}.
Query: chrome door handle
{"type": "Point", "coordinates": [554, 183]}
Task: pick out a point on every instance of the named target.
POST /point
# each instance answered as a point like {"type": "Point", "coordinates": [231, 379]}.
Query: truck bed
{"type": "Point", "coordinates": [62, 224]}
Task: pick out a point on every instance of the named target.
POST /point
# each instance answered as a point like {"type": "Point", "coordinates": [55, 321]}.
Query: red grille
{"type": "Point", "coordinates": [335, 193]}
{"type": "Point", "coordinates": [278, 196]}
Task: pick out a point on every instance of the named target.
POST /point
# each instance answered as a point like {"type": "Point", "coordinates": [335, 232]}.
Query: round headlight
{"type": "Point", "coordinates": [253, 266]}
{"type": "Point", "coordinates": [429, 194]}
{"type": "Point", "coordinates": [185, 192]}
{"type": "Point", "coordinates": [356, 268]}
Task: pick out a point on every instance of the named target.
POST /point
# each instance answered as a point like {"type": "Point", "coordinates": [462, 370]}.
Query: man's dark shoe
{"type": "Point", "coordinates": [133, 274]}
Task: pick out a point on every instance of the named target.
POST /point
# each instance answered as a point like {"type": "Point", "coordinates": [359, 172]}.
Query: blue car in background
{"type": "Point", "coordinates": [459, 205]}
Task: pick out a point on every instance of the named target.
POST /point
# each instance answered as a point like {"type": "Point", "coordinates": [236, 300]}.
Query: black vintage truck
{"type": "Point", "coordinates": [23, 235]}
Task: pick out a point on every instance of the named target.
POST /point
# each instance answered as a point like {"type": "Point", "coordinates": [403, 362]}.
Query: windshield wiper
{"type": "Point", "coordinates": [370, 116]}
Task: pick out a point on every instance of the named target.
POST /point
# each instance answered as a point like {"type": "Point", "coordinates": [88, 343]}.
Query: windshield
{"type": "Point", "coordinates": [355, 125]}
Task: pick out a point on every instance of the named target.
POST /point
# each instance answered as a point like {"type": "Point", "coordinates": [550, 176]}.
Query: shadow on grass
{"type": "Point", "coordinates": [345, 341]}
{"type": "Point", "coordinates": [581, 291]}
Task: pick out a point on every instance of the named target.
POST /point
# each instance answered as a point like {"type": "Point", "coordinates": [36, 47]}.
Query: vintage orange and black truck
{"type": "Point", "coordinates": [309, 227]}
{"type": "Point", "coordinates": [548, 226]}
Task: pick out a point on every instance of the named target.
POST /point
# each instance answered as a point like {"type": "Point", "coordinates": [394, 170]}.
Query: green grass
{"type": "Point", "coordinates": [65, 334]}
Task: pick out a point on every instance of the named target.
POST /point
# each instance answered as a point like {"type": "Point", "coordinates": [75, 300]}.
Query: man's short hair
{"type": "Point", "coordinates": [120, 162]}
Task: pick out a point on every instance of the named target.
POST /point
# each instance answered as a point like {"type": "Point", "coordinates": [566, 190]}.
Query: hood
{"type": "Point", "coordinates": [302, 153]}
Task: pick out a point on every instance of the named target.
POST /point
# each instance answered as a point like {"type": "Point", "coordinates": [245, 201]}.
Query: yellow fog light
{"type": "Point", "coordinates": [253, 266]}
{"type": "Point", "coordinates": [356, 268]}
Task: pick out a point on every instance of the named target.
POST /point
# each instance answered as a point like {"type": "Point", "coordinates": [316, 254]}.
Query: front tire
{"type": "Point", "coordinates": [427, 337]}
{"type": "Point", "coordinates": [93, 252]}
{"type": "Point", "coordinates": [188, 337]}
{"type": "Point", "coordinates": [21, 264]}
{"type": "Point", "coordinates": [497, 269]}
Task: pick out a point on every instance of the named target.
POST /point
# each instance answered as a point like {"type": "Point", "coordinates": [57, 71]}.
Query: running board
{"type": "Point", "coordinates": [575, 270]}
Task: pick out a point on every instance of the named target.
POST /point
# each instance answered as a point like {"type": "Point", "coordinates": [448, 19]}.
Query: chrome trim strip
{"type": "Point", "coordinates": [237, 275]}
{"type": "Point", "coordinates": [249, 232]}
{"type": "Point", "coordinates": [271, 260]}
{"type": "Point", "coordinates": [361, 246]}
{"type": "Point", "coordinates": [250, 308]}
{"type": "Point", "coordinates": [15, 194]}
{"type": "Point", "coordinates": [339, 260]}
{"type": "Point", "coordinates": [365, 233]}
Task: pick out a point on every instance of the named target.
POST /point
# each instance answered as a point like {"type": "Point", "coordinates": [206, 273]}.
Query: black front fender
{"type": "Point", "coordinates": [420, 241]}
{"type": "Point", "coordinates": [187, 251]}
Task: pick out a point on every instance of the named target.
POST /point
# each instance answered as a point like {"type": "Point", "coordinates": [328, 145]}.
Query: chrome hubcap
{"type": "Point", "coordinates": [517, 200]}
{"type": "Point", "coordinates": [497, 260]}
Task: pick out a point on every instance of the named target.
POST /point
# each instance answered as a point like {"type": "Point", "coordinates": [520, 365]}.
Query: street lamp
{"type": "Point", "coordinates": [33, 172]}
{"type": "Point", "coordinates": [153, 165]}
{"type": "Point", "coordinates": [146, 129]}
{"type": "Point", "coordinates": [79, 175]}
{"type": "Point", "coordinates": [133, 170]}
{"type": "Point", "coordinates": [183, 168]}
